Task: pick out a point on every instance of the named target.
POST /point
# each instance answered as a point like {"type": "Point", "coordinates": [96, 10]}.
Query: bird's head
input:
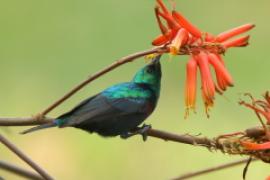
{"type": "Point", "coordinates": [150, 74]}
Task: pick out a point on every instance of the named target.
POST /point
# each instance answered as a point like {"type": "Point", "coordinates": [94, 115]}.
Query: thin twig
{"type": "Point", "coordinates": [246, 168]}
{"type": "Point", "coordinates": [111, 67]}
{"type": "Point", "coordinates": [28, 121]}
{"type": "Point", "coordinates": [212, 169]}
{"type": "Point", "coordinates": [19, 171]}
{"type": "Point", "coordinates": [24, 157]}
{"type": "Point", "coordinates": [184, 138]}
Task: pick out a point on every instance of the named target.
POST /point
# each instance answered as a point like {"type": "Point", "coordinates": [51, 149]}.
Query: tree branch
{"type": "Point", "coordinates": [28, 121]}
{"type": "Point", "coordinates": [111, 67]}
{"type": "Point", "coordinates": [19, 171]}
{"type": "Point", "coordinates": [212, 169]}
{"type": "Point", "coordinates": [184, 138]}
{"type": "Point", "coordinates": [228, 144]}
{"type": "Point", "coordinates": [25, 158]}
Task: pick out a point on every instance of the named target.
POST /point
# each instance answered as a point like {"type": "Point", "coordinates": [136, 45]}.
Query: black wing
{"type": "Point", "coordinates": [100, 108]}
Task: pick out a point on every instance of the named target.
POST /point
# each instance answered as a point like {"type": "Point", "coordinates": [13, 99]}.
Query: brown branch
{"type": "Point", "coordinates": [25, 158]}
{"type": "Point", "coordinates": [111, 67]}
{"type": "Point", "coordinates": [212, 169]}
{"type": "Point", "coordinates": [167, 136]}
{"type": "Point", "coordinates": [228, 144]}
{"type": "Point", "coordinates": [184, 138]}
{"type": "Point", "coordinates": [28, 121]}
{"type": "Point", "coordinates": [19, 171]}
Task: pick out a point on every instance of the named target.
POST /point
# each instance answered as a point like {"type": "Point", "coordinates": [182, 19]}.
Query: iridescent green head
{"type": "Point", "coordinates": [150, 74]}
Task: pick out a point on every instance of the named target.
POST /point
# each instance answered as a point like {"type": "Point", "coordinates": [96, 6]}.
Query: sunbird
{"type": "Point", "coordinates": [119, 109]}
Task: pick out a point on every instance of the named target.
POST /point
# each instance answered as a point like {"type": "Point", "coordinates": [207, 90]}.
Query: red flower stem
{"type": "Point", "coordinates": [254, 108]}
{"type": "Point", "coordinates": [163, 7]}
{"type": "Point", "coordinates": [162, 27]}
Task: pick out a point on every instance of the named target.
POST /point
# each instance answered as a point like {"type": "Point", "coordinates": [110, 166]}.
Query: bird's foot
{"type": "Point", "coordinates": [143, 131]}
{"type": "Point", "coordinates": [139, 130]}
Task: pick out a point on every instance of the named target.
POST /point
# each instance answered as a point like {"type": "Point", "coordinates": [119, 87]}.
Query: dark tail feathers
{"type": "Point", "coordinates": [44, 126]}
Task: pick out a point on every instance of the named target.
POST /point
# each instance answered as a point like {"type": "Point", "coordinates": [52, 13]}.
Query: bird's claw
{"type": "Point", "coordinates": [140, 130]}
{"type": "Point", "coordinates": [143, 131]}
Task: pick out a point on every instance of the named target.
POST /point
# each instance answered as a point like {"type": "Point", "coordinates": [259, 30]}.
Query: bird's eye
{"type": "Point", "coordinates": [150, 70]}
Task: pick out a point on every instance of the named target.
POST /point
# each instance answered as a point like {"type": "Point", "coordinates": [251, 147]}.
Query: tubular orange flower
{"type": "Point", "coordinates": [221, 83]}
{"type": "Point", "coordinates": [224, 79]}
{"type": "Point", "coordinates": [261, 108]}
{"type": "Point", "coordinates": [180, 39]}
{"type": "Point", "coordinates": [234, 32]}
{"type": "Point", "coordinates": [162, 39]}
{"type": "Point", "coordinates": [239, 42]}
{"type": "Point", "coordinates": [180, 36]}
{"type": "Point", "coordinates": [186, 24]}
{"type": "Point", "coordinates": [208, 86]}
{"type": "Point", "coordinates": [191, 81]}
{"type": "Point", "coordinates": [209, 37]}
{"type": "Point", "coordinates": [265, 113]}
{"type": "Point", "coordinates": [255, 146]}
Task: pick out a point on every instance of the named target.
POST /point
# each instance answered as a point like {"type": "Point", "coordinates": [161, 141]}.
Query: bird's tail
{"type": "Point", "coordinates": [43, 126]}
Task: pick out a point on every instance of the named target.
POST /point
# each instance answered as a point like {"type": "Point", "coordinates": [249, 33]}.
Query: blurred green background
{"type": "Point", "coordinates": [47, 47]}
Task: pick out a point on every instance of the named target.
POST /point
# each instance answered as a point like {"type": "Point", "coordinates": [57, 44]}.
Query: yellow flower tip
{"type": "Point", "coordinates": [208, 108]}
{"type": "Point", "coordinates": [174, 50]}
{"type": "Point", "coordinates": [188, 109]}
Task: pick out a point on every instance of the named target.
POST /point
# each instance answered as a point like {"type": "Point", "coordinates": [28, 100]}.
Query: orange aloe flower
{"type": "Point", "coordinates": [180, 37]}
{"type": "Point", "coordinates": [261, 107]}
{"type": "Point", "coordinates": [190, 91]}
{"type": "Point", "coordinates": [255, 147]}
